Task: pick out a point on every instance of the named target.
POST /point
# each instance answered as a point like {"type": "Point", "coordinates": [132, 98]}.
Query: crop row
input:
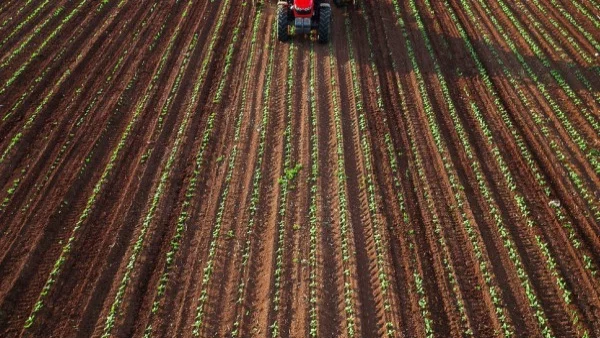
{"type": "Point", "coordinates": [518, 140]}
{"type": "Point", "coordinates": [342, 194]}
{"type": "Point", "coordinates": [573, 132]}
{"type": "Point", "coordinates": [40, 48]}
{"type": "Point", "coordinates": [589, 36]}
{"type": "Point", "coordinates": [289, 173]}
{"type": "Point", "coordinates": [409, 233]}
{"type": "Point", "coordinates": [216, 232]}
{"type": "Point", "coordinates": [368, 181]}
{"type": "Point", "coordinates": [521, 205]}
{"type": "Point", "coordinates": [80, 120]}
{"type": "Point", "coordinates": [431, 208]}
{"type": "Point", "coordinates": [98, 186]}
{"type": "Point", "coordinates": [573, 175]}
{"type": "Point", "coordinates": [21, 24]}
{"type": "Point", "coordinates": [474, 236]}
{"type": "Point", "coordinates": [567, 89]}
{"type": "Point", "coordinates": [156, 197]}
{"type": "Point", "coordinates": [560, 51]}
{"type": "Point", "coordinates": [256, 176]}
{"type": "Point", "coordinates": [571, 42]}
{"type": "Point", "coordinates": [314, 198]}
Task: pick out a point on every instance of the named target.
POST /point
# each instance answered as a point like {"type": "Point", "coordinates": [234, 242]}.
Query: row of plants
{"type": "Point", "coordinates": [491, 287]}
{"type": "Point", "coordinates": [166, 171]}
{"type": "Point", "coordinates": [242, 286]}
{"type": "Point", "coordinates": [593, 158]}
{"type": "Point", "coordinates": [520, 203]}
{"type": "Point", "coordinates": [566, 123]}
{"type": "Point", "coordinates": [49, 95]}
{"type": "Point", "coordinates": [80, 120]}
{"type": "Point", "coordinates": [445, 257]}
{"type": "Point", "coordinates": [213, 247]}
{"type": "Point", "coordinates": [7, 58]}
{"type": "Point", "coordinates": [349, 301]}
{"type": "Point", "coordinates": [99, 185]}
{"type": "Point", "coordinates": [584, 192]}
{"type": "Point", "coordinates": [394, 154]}
{"type": "Point", "coordinates": [17, 29]}
{"type": "Point", "coordinates": [560, 80]}
{"type": "Point", "coordinates": [514, 132]}
{"type": "Point", "coordinates": [572, 42]}
{"type": "Point", "coordinates": [585, 12]}
{"type": "Point", "coordinates": [573, 132]}
{"type": "Point", "coordinates": [559, 50]}
{"type": "Point", "coordinates": [567, 15]}
{"type": "Point", "coordinates": [313, 211]}
{"type": "Point", "coordinates": [290, 172]}
{"type": "Point", "coordinates": [5, 6]}
{"type": "Point", "coordinates": [382, 270]}
{"type": "Point", "coordinates": [21, 69]}
{"type": "Point", "coordinates": [158, 193]}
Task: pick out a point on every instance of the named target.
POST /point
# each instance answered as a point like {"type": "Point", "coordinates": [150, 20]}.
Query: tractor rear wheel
{"type": "Point", "coordinates": [282, 24]}
{"type": "Point", "coordinates": [324, 23]}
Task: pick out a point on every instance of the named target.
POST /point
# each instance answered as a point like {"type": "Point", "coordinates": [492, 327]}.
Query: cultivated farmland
{"type": "Point", "coordinates": [170, 169]}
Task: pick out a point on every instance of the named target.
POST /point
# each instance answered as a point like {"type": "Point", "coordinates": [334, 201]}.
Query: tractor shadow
{"type": "Point", "coordinates": [449, 48]}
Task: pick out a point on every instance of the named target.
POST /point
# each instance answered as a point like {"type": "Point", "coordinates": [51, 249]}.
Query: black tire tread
{"type": "Point", "coordinates": [324, 24]}
{"type": "Point", "coordinates": [282, 24]}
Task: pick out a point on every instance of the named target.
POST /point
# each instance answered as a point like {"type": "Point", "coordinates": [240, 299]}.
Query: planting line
{"type": "Point", "coordinates": [156, 198]}
{"type": "Point", "coordinates": [349, 292]}
{"type": "Point", "coordinates": [99, 184]}
{"type": "Point", "coordinates": [526, 154]}
{"type": "Point", "coordinates": [382, 268]}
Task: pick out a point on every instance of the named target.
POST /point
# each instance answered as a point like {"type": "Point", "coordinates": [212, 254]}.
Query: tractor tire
{"type": "Point", "coordinates": [324, 23]}
{"type": "Point", "coordinates": [283, 34]}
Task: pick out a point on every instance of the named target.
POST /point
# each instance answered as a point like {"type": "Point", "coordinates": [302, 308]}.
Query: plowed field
{"type": "Point", "coordinates": [170, 169]}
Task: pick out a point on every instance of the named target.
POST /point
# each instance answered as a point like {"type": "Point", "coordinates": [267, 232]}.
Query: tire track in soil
{"type": "Point", "coordinates": [330, 293]}
{"type": "Point", "coordinates": [368, 286]}
{"type": "Point", "coordinates": [255, 323]}
{"type": "Point", "coordinates": [227, 306]}
{"type": "Point", "coordinates": [445, 315]}
{"type": "Point", "coordinates": [394, 210]}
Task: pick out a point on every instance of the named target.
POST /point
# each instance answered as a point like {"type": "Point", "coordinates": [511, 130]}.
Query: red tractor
{"type": "Point", "coordinates": [305, 16]}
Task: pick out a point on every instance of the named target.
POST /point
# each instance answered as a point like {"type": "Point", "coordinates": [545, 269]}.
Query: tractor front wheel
{"type": "Point", "coordinates": [324, 23]}
{"type": "Point", "coordinates": [282, 24]}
